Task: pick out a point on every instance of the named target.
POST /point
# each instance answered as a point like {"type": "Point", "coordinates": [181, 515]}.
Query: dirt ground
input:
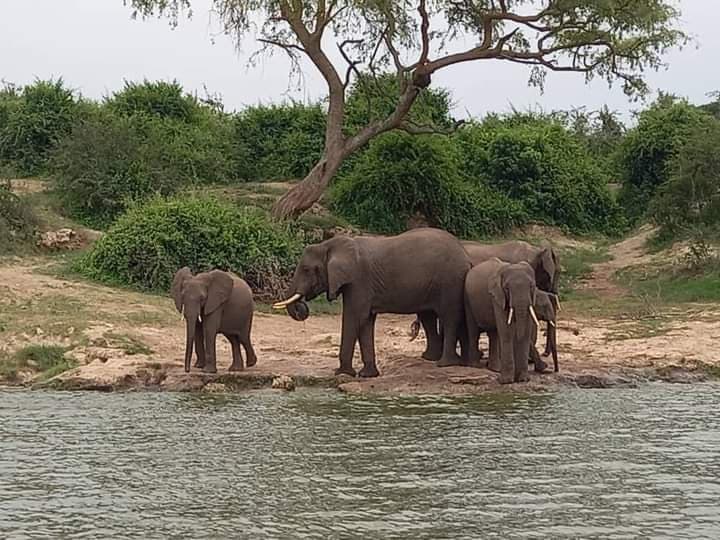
{"type": "Point", "coordinates": [128, 340]}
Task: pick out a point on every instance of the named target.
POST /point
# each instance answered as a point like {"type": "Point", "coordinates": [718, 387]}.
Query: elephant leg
{"type": "Point", "coordinates": [507, 358]}
{"type": "Point", "coordinates": [367, 348]}
{"type": "Point", "coordinates": [199, 345]}
{"type": "Point", "coordinates": [450, 324]}
{"type": "Point", "coordinates": [210, 339]}
{"type": "Point", "coordinates": [540, 366]}
{"type": "Point", "coordinates": [237, 363]}
{"type": "Point", "coordinates": [473, 335]}
{"type": "Point", "coordinates": [433, 349]}
{"type": "Point", "coordinates": [249, 351]}
{"type": "Point", "coordinates": [348, 337]}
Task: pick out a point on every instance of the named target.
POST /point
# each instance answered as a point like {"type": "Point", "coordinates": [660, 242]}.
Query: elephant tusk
{"type": "Point", "coordinates": [551, 324]}
{"type": "Point", "coordinates": [534, 317]}
{"type": "Point", "coordinates": [557, 301]}
{"type": "Point", "coordinates": [512, 310]}
{"type": "Point", "coordinates": [182, 309]}
{"type": "Point", "coordinates": [285, 303]}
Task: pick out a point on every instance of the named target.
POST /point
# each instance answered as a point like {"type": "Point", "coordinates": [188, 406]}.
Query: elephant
{"type": "Point", "coordinates": [499, 299]}
{"type": "Point", "coordinates": [419, 271]}
{"type": "Point", "coordinates": [214, 303]}
{"type": "Point", "coordinates": [546, 311]}
{"type": "Point", "coordinates": [544, 261]}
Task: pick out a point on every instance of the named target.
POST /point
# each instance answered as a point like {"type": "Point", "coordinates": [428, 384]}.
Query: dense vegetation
{"type": "Point", "coordinates": [17, 221]}
{"type": "Point", "coordinates": [152, 139]}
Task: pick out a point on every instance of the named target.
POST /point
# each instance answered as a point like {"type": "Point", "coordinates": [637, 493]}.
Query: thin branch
{"type": "Point", "coordinates": [352, 64]}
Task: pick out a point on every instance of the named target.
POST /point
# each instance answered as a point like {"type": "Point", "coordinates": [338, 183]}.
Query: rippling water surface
{"type": "Point", "coordinates": [642, 463]}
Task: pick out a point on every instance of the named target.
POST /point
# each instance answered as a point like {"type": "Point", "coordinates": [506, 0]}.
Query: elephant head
{"type": "Point", "coordinates": [547, 270]}
{"type": "Point", "coordinates": [513, 290]}
{"type": "Point", "coordinates": [323, 268]}
{"type": "Point", "coordinates": [197, 297]}
{"type": "Point", "coordinates": [546, 310]}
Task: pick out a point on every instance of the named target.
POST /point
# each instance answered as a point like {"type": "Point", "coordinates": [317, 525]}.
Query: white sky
{"type": "Point", "coordinates": [94, 45]}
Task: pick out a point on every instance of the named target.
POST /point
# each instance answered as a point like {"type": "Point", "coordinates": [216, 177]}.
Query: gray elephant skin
{"type": "Point", "coordinates": [419, 271]}
{"type": "Point", "coordinates": [499, 299]}
{"type": "Point", "coordinates": [546, 310]}
{"type": "Point", "coordinates": [544, 261]}
{"type": "Point", "coordinates": [214, 303]}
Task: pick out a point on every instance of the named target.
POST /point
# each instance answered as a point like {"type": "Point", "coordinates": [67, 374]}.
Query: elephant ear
{"type": "Point", "coordinates": [342, 264]}
{"type": "Point", "coordinates": [548, 262]}
{"type": "Point", "coordinates": [221, 285]}
{"type": "Point", "coordinates": [496, 288]}
{"type": "Point", "coordinates": [181, 276]}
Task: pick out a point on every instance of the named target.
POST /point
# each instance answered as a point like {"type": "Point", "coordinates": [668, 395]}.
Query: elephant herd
{"type": "Point", "coordinates": [456, 289]}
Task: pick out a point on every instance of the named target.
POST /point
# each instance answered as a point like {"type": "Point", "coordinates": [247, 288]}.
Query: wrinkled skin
{"type": "Point", "coordinates": [420, 271]}
{"type": "Point", "coordinates": [498, 298]}
{"type": "Point", "coordinates": [214, 303]}
{"type": "Point", "coordinates": [546, 310]}
{"type": "Point", "coordinates": [543, 260]}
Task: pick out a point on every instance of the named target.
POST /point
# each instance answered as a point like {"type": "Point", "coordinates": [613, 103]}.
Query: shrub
{"type": "Point", "coordinates": [401, 176]}
{"type": "Point", "coordinates": [18, 223]}
{"type": "Point", "coordinates": [160, 99]}
{"type": "Point", "coordinates": [648, 149]}
{"type": "Point", "coordinates": [148, 244]}
{"type": "Point", "coordinates": [110, 161]}
{"type": "Point", "coordinates": [279, 141]}
{"type": "Point", "coordinates": [689, 200]}
{"type": "Point", "coordinates": [536, 162]}
{"type": "Point", "coordinates": [32, 120]}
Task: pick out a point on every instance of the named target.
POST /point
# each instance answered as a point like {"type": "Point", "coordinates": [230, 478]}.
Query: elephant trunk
{"type": "Point", "coordinates": [190, 321]}
{"type": "Point", "coordinates": [523, 326]}
{"type": "Point", "coordinates": [552, 344]}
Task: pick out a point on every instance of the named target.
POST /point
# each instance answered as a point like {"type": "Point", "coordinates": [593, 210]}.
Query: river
{"type": "Point", "coordinates": [622, 463]}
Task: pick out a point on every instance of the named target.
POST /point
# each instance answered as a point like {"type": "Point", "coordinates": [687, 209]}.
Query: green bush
{"type": "Point", "coordinates": [32, 120]}
{"type": "Point", "coordinates": [160, 99]}
{"type": "Point", "coordinates": [110, 161]}
{"type": "Point", "coordinates": [148, 244]}
{"type": "Point", "coordinates": [278, 142]}
{"type": "Point", "coordinates": [401, 176]}
{"type": "Point", "coordinates": [538, 163]}
{"type": "Point", "coordinates": [648, 149]}
{"type": "Point", "coordinates": [689, 200]}
{"type": "Point", "coordinates": [18, 223]}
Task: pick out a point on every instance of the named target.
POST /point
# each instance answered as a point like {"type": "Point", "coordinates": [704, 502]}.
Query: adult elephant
{"type": "Point", "coordinates": [499, 299]}
{"type": "Point", "coordinates": [543, 260]}
{"type": "Point", "coordinates": [419, 271]}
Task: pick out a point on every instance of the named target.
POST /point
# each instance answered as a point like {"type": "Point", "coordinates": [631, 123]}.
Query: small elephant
{"type": "Point", "coordinates": [419, 271]}
{"type": "Point", "coordinates": [214, 303]}
{"type": "Point", "coordinates": [546, 310]}
{"type": "Point", "coordinates": [499, 299]}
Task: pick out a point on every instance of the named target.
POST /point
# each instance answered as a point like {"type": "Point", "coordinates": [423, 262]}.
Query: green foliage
{"type": "Point", "coordinates": [374, 98]}
{"type": "Point", "coordinates": [536, 162]}
{"type": "Point", "coordinates": [48, 360]}
{"type": "Point", "coordinates": [278, 142]}
{"type": "Point", "coordinates": [648, 149]}
{"type": "Point", "coordinates": [689, 200]}
{"type": "Point", "coordinates": [18, 222]}
{"type": "Point", "coordinates": [401, 177]}
{"type": "Point", "coordinates": [161, 99]}
{"type": "Point", "coordinates": [32, 120]}
{"type": "Point", "coordinates": [111, 160]}
{"type": "Point", "coordinates": [148, 244]}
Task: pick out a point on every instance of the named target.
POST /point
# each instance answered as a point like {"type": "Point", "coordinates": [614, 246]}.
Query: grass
{"type": "Point", "coordinates": [45, 360]}
{"type": "Point", "coordinates": [577, 264]}
{"type": "Point", "coordinates": [130, 345]}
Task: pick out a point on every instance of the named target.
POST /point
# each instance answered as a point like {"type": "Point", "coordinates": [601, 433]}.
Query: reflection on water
{"type": "Point", "coordinates": [578, 464]}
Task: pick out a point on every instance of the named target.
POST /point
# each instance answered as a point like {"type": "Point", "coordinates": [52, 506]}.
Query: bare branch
{"type": "Point", "coordinates": [352, 64]}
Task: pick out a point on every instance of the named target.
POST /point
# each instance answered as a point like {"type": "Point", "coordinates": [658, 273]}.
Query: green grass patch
{"type": "Point", "coordinates": [577, 264]}
{"type": "Point", "coordinates": [45, 360]}
{"type": "Point", "coordinates": [681, 288]}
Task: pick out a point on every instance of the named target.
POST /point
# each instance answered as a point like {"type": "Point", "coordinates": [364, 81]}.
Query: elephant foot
{"type": "Point", "coordinates": [540, 366]}
{"type": "Point", "coordinates": [505, 379]}
{"type": "Point", "coordinates": [199, 364]}
{"type": "Point", "coordinates": [369, 371]}
{"type": "Point", "coordinates": [450, 361]}
{"type": "Point", "coordinates": [236, 367]}
{"type": "Point", "coordinates": [476, 364]}
{"type": "Point", "coordinates": [493, 367]}
{"type": "Point", "coordinates": [209, 369]}
{"type": "Point", "coordinates": [345, 371]}
{"type": "Point", "coordinates": [522, 377]}
{"type": "Point", "coordinates": [432, 356]}
{"type": "Point", "coordinates": [251, 362]}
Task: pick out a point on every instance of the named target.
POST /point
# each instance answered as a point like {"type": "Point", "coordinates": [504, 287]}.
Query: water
{"type": "Point", "coordinates": [636, 463]}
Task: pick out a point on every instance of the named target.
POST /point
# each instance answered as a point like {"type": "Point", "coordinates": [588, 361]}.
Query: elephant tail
{"type": "Point", "coordinates": [414, 329]}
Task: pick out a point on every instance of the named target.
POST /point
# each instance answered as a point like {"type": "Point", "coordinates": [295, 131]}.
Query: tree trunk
{"type": "Point", "coordinates": [304, 194]}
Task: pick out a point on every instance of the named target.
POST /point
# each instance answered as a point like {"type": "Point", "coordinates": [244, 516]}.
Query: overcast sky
{"type": "Point", "coordinates": [94, 45]}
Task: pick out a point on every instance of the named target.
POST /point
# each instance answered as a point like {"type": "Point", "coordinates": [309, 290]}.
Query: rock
{"type": "Point", "coordinates": [60, 239]}
{"type": "Point", "coordinates": [283, 382]}
{"type": "Point", "coordinates": [215, 388]}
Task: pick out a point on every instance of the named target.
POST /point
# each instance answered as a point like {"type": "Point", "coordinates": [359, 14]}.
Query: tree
{"type": "Point", "coordinates": [613, 39]}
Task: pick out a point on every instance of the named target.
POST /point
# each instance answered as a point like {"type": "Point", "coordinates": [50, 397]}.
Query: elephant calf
{"type": "Point", "coordinates": [214, 303]}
